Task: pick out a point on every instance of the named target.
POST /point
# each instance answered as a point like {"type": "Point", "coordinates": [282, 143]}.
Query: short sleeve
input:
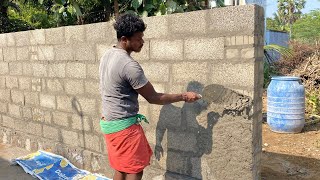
{"type": "Point", "coordinates": [134, 74]}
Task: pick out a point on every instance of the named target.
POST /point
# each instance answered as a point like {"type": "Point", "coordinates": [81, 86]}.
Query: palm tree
{"type": "Point", "coordinates": [290, 11]}
{"type": "Point", "coordinates": [279, 21]}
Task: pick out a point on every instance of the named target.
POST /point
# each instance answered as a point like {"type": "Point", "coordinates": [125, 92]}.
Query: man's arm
{"type": "Point", "coordinates": [153, 97]}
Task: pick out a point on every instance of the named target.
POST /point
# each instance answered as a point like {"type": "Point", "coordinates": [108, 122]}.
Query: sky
{"type": "Point", "coordinates": [310, 5]}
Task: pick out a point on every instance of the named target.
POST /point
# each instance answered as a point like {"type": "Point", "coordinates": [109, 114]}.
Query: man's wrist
{"type": "Point", "coordinates": [184, 96]}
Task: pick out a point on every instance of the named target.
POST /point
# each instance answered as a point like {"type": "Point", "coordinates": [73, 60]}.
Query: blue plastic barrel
{"type": "Point", "coordinates": [286, 104]}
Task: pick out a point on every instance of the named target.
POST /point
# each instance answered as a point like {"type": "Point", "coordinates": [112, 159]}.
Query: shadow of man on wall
{"type": "Point", "coordinates": [189, 136]}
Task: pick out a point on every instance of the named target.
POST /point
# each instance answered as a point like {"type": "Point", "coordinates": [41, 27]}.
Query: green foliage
{"type": "Point", "coordinates": [268, 71]}
{"type": "Point", "coordinates": [10, 25]}
{"type": "Point", "coordinates": [34, 15]}
{"type": "Point", "coordinates": [30, 14]}
{"type": "Point", "coordinates": [273, 25]}
{"type": "Point", "coordinates": [289, 11]}
{"type": "Point", "coordinates": [313, 100]}
{"type": "Point", "coordinates": [20, 15]}
{"type": "Point", "coordinates": [13, 25]}
{"type": "Point", "coordinates": [159, 7]}
{"type": "Point", "coordinates": [277, 24]}
{"type": "Point", "coordinates": [307, 29]}
{"type": "Point", "coordinates": [66, 12]}
{"type": "Point", "coordinates": [284, 51]}
{"type": "Point", "coordinates": [95, 10]}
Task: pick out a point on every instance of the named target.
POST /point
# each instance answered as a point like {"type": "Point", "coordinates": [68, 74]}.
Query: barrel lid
{"type": "Point", "coordinates": [285, 78]}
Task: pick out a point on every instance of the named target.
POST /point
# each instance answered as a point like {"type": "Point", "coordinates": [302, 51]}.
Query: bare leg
{"type": "Point", "coordinates": [137, 176]}
{"type": "Point", "coordinates": [119, 175]}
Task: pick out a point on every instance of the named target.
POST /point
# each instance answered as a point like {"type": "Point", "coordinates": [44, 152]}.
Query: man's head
{"type": "Point", "coordinates": [130, 30]}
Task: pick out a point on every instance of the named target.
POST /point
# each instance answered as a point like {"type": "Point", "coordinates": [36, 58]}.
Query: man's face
{"type": "Point", "coordinates": [135, 42]}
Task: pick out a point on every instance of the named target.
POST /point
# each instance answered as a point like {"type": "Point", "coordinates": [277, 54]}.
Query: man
{"type": "Point", "coordinates": [121, 80]}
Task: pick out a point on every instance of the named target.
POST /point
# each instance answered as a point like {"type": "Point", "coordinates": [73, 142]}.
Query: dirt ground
{"type": "Point", "coordinates": [291, 156]}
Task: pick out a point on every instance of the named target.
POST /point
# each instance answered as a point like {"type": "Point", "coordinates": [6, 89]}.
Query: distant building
{"type": "Point", "coordinates": [277, 37]}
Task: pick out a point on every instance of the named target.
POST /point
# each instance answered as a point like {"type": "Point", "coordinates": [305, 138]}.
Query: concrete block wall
{"type": "Point", "coordinates": [49, 96]}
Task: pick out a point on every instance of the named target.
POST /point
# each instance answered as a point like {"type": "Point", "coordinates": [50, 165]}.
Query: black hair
{"type": "Point", "coordinates": [128, 24]}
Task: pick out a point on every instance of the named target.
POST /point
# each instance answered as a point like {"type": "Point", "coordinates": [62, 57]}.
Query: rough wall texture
{"type": "Point", "coordinates": [49, 97]}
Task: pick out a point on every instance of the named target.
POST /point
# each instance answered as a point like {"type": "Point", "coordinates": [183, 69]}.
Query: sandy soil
{"type": "Point", "coordinates": [290, 156]}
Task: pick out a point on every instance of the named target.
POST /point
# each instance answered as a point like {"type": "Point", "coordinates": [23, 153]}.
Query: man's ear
{"type": "Point", "coordinates": [124, 39]}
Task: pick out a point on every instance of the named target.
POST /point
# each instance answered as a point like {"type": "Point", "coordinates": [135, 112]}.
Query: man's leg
{"type": "Point", "coordinates": [137, 176]}
{"type": "Point", "coordinates": [119, 175]}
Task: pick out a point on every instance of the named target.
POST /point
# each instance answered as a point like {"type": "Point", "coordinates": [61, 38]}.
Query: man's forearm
{"type": "Point", "coordinates": [154, 97]}
{"type": "Point", "coordinates": [163, 98]}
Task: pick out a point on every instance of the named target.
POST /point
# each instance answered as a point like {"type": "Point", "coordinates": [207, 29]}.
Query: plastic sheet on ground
{"type": "Point", "coordinates": [48, 166]}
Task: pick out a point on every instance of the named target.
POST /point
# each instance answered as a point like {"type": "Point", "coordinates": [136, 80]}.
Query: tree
{"type": "Point", "coordinates": [160, 7]}
{"type": "Point", "coordinates": [289, 11]}
{"type": "Point", "coordinates": [8, 25]}
{"type": "Point", "coordinates": [276, 23]}
{"type": "Point", "coordinates": [70, 12]}
{"type": "Point", "coordinates": [96, 10]}
{"type": "Point", "coordinates": [67, 12]}
{"type": "Point", "coordinates": [34, 14]}
{"type": "Point", "coordinates": [307, 28]}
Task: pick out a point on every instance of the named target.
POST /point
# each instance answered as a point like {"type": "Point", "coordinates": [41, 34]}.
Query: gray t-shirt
{"type": "Point", "coordinates": [120, 75]}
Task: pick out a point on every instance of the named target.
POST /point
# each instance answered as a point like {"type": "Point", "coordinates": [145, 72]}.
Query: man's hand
{"type": "Point", "coordinates": [191, 97]}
